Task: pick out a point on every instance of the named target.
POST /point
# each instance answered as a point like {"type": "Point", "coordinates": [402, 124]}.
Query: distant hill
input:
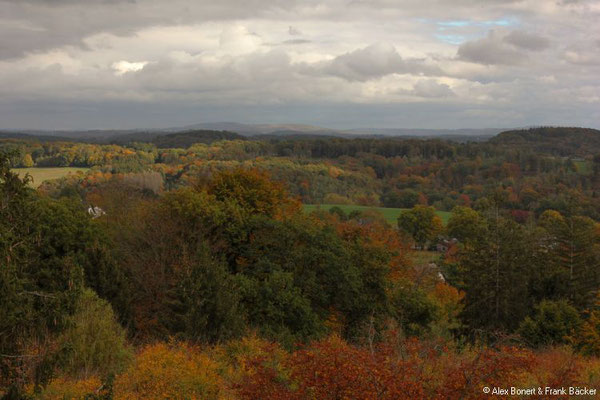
{"type": "Point", "coordinates": [124, 136]}
{"type": "Point", "coordinates": [26, 136]}
{"type": "Point", "coordinates": [260, 129]}
{"type": "Point", "coordinates": [89, 136]}
{"type": "Point", "coordinates": [188, 138]}
{"type": "Point", "coordinates": [297, 130]}
{"type": "Point", "coordinates": [560, 141]}
{"type": "Point", "coordinates": [460, 134]}
{"type": "Point", "coordinates": [292, 135]}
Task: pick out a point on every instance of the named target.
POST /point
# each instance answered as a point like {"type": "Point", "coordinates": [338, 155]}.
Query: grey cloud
{"type": "Point", "coordinates": [47, 24]}
{"type": "Point", "coordinates": [67, 22]}
{"type": "Point", "coordinates": [528, 41]}
{"type": "Point", "coordinates": [336, 77]}
{"type": "Point", "coordinates": [62, 2]}
{"type": "Point", "coordinates": [491, 50]}
{"type": "Point", "coordinates": [375, 61]}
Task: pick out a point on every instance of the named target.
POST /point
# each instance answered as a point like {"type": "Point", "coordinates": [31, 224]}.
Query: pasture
{"type": "Point", "coordinates": [390, 214]}
{"type": "Point", "coordinates": [40, 175]}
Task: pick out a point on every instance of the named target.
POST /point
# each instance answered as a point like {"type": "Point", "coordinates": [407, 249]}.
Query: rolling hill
{"type": "Point", "coordinates": [558, 141]}
{"type": "Point", "coordinates": [188, 138]}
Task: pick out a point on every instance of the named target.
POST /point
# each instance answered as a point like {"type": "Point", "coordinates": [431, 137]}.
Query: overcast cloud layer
{"type": "Point", "coordinates": [69, 64]}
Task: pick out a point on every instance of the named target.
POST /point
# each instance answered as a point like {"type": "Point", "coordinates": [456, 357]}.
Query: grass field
{"type": "Point", "coordinates": [40, 175]}
{"type": "Point", "coordinates": [423, 257]}
{"type": "Point", "coordinates": [390, 214]}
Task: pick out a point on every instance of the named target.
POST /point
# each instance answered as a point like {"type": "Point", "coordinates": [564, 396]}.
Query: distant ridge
{"type": "Point", "coordinates": [299, 129]}
{"type": "Point", "coordinates": [27, 136]}
{"type": "Point", "coordinates": [557, 140]}
{"type": "Point", "coordinates": [417, 132]}
{"type": "Point", "coordinates": [187, 138]}
{"type": "Point", "coordinates": [561, 141]}
{"type": "Point", "coordinates": [296, 131]}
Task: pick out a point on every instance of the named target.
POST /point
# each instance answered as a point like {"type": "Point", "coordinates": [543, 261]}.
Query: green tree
{"type": "Point", "coordinates": [421, 223]}
{"type": "Point", "coordinates": [573, 244]}
{"type": "Point", "coordinates": [495, 271]}
{"type": "Point", "coordinates": [296, 274]}
{"type": "Point", "coordinates": [94, 341]}
{"type": "Point", "coordinates": [40, 276]}
{"type": "Point", "coordinates": [554, 322]}
{"type": "Point", "coordinates": [208, 305]}
{"type": "Point", "coordinates": [588, 339]}
{"type": "Point", "coordinates": [464, 224]}
{"type": "Point", "coordinates": [413, 309]}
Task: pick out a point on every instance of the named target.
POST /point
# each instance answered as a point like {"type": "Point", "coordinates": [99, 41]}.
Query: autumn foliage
{"type": "Point", "coordinates": [203, 278]}
{"type": "Point", "coordinates": [170, 371]}
{"type": "Point", "coordinates": [395, 369]}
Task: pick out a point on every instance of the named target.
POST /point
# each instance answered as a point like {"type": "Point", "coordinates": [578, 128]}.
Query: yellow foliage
{"type": "Point", "coordinates": [237, 356]}
{"type": "Point", "coordinates": [170, 371]}
{"type": "Point", "coordinates": [67, 389]}
{"type": "Point", "coordinates": [334, 172]}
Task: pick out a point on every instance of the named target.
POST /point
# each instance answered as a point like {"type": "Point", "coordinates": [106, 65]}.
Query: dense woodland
{"type": "Point", "coordinates": [202, 277]}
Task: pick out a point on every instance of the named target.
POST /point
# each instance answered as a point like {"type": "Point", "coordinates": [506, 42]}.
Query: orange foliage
{"type": "Point", "coordinates": [64, 388]}
{"type": "Point", "coordinates": [175, 371]}
{"type": "Point", "coordinates": [393, 370]}
{"type": "Point", "coordinates": [254, 191]}
{"type": "Point", "coordinates": [450, 303]}
{"type": "Point", "coordinates": [557, 367]}
{"type": "Point", "coordinates": [381, 236]}
{"type": "Point", "coordinates": [332, 369]}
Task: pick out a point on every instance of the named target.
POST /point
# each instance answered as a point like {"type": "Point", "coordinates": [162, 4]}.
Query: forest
{"type": "Point", "coordinates": [185, 267]}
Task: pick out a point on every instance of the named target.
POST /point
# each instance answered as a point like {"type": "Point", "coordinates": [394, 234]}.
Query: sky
{"type": "Point", "coordinates": [120, 64]}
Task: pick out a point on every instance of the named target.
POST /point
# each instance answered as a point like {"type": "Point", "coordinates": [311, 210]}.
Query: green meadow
{"type": "Point", "coordinates": [40, 175]}
{"type": "Point", "coordinates": [390, 214]}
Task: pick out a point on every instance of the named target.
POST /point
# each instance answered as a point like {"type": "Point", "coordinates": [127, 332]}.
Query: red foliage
{"type": "Point", "coordinates": [520, 216]}
{"type": "Point", "coordinates": [394, 370]}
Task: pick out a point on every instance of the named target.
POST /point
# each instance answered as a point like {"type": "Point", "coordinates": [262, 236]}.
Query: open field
{"type": "Point", "coordinates": [424, 257]}
{"type": "Point", "coordinates": [40, 175]}
{"type": "Point", "coordinates": [390, 214]}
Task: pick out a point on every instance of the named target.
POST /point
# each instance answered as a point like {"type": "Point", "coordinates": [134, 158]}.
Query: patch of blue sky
{"type": "Point", "coordinates": [467, 23]}
{"type": "Point", "coordinates": [451, 39]}
{"type": "Point", "coordinates": [455, 23]}
{"type": "Point", "coordinates": [500, 22]}
{"type": "Point", "coordinates": [457, 32]}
